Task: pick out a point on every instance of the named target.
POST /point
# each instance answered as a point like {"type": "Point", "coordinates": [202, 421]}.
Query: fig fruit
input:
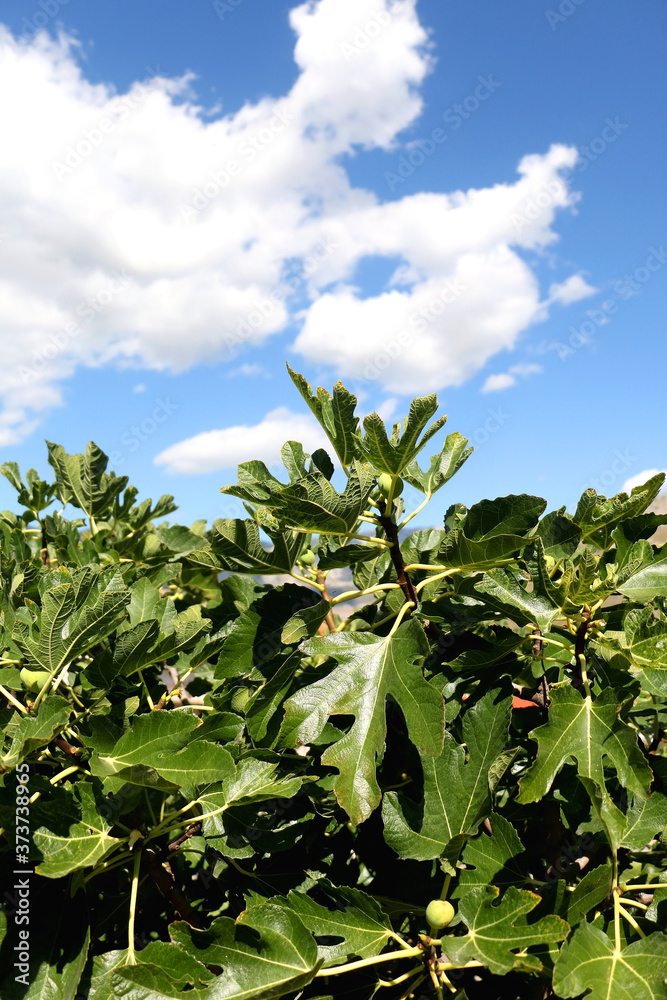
{"type": "Point", "coordinates": [240, 699]}
{"type": "Point", "coordinates": [439, 913]}
{"type": "Point", "coordinates": [34, 680]}
{"type": "Point", "coordinates": [307, 557]}
{"type": "Point", "coordinates": [384, 485]}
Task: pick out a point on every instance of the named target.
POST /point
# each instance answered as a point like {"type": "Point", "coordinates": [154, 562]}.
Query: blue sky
{"type": "Point", "coordinates": [540, 294]}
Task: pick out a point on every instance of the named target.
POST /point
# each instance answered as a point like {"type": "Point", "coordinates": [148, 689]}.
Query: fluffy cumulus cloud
{"type": "Point", "coordinates": [138, 231]}
{"type": "Point", "coordinates": [222, 449]}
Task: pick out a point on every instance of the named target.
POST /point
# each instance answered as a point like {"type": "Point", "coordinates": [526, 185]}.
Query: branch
{"type": "Point", "coordinates": [402, 578]}
{"type": "Point", "coordinates": [322, 581]}
{"type": "Point", "coordinates": [190, 832]}
{"type": "Point", "coordinates": [163, 877]}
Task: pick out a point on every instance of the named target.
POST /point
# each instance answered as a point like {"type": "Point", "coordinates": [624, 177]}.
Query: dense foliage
{"type": "Point", "coordinates": [225, 790]}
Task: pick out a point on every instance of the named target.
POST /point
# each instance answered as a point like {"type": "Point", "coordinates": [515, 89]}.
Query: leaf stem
{"type": "Point", "coordinates": [411, 989]}
{"type": "Point", "coordinates": [64, 774]}
{"type": "Point", "coordinates": [131, 956]}
{"type": "Point", "coordinates": [350, 595]}
{"type": "Point", "coordinates": [45, 687]}
{"type": "Point", "coordinates": [12, 700]}
{"type": "Point", "coordinates": [310, 583]}
{"type": "Point", "coordinates": [445, 888]}
{"type": "Point", "coordinates": [326, 596]}
{"type": "Point", "coordinates": [434, 579]}
{"type": "Point", "coordinates": [415, 512]}
{"type": "Point", "coordinates": [427, 567]}
{"type": "Point", "coordinates": [390, 956]}
{"type": "Point", "coordinates": [107, 866]}
{"type": "Point", "coordinates": [552, 642]}
{"type": "Point", "coordinates": [630, 919]}
{"type": "Point", "coordinates": [399, 617]}
{"type": "Point", "coordinates": [584, 675]}
{"type": "Point", "coordinates": [151, 704]}
{"type": "Point", "coordinates": [401, 979]}
{"type": "Point", "coordinates": [168, 821]}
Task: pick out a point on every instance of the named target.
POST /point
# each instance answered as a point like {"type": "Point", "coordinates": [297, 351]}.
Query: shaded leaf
{"type": "Point", "coordinates": [353, 917]}
{"type": "Point", "coordinates": [57, 944]}
{"type": "Point", "coordinates": [35, 731]}
{"type": "Point", "coordinates": [512, 515]}
{"type": "Point", "coordinates": [278, 959]}
{"type": "Point", "coordinates": [495, 859]}
{"type": "Point", "coordinates": [594, 887]}
{"type": "Point", "coordinates": [457, 786]}
{"type": "Point", "coordinates": [503, 591]}
{"type": "Point", "coordinates": [236, 546]}
{"type": "Point", "coordinates": [83, 842]}
{"type": "Point", "coordinates": [305, 623]}
{"type": "Point", "coordinates": [459, 552]}
{"type": "Point", "coordinates": [370, 668]}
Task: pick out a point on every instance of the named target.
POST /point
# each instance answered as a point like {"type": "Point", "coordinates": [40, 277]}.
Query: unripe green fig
{"type": "Point", "coordinates": [384, 485]}
{"type": "Point", "coordinates": [307, 557]}
{"type": "Point", "coordinates": [34, 680]}
{"type": "Point", "coordinates": [439, 913]}
{"type": "Point", "coordinates": [240, 699]}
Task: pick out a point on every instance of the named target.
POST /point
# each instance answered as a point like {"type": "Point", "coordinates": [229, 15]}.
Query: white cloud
{"type": "Point", "coordinates": [572, 290]}
{"type": "Point", "coordinates": [223, 449]}
{"type": "Point", "coordinates": [524, 370]}
{"type": "Point", "coordinates": [505, 380]}
{"type": "Point", "coordinates": [249, 371]}
{"type": "Point", "coordinates": [639, 479]}
{"type": "Point", "coordinates": [139, 232]}
{"type": "Point", "coordinates": [496, 383]}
